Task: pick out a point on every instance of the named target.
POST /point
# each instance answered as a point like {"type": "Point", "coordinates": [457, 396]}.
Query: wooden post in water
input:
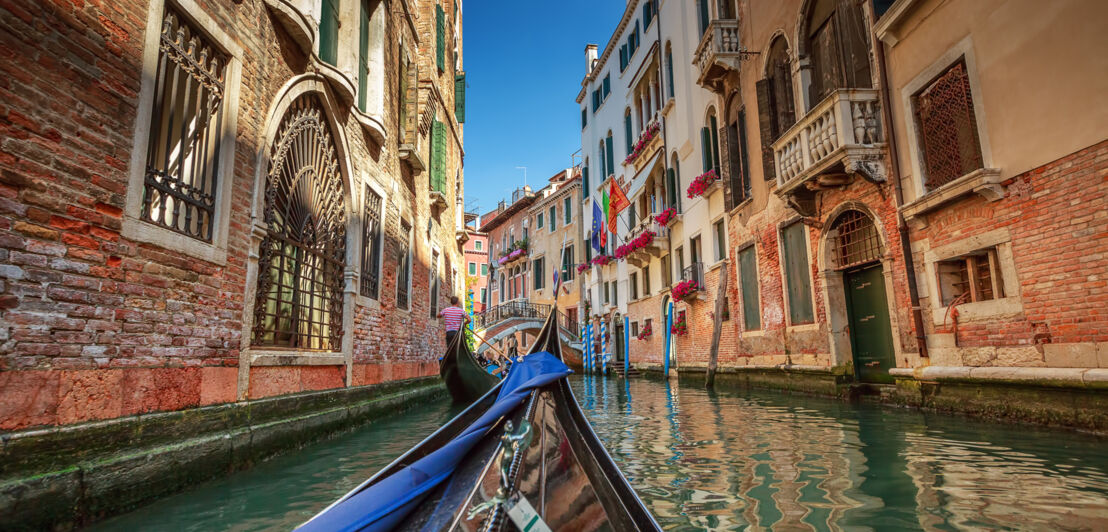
{"type": "Point", "coordinates": [717, 328]}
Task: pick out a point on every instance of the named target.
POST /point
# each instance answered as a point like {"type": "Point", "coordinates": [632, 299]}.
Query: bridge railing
{"type": "Point", "coordinates": [570, 326]}
{"type": "Point", "coordinates": [509, 310]}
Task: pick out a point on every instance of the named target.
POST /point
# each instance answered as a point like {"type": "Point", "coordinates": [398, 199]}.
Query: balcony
{"type": "Point", "coordinates": [694, 273]}
{"type": "Point", "coordinates": [718, 54]}
{"type": "Point", "coordinates": [839, 138]}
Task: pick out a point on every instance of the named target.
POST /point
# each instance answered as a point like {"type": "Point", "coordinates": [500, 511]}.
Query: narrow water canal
{"type": "Point", "coordinates": [727, 460]}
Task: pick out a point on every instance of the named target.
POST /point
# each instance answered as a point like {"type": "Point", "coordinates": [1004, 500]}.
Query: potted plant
{"type": "Point", "coordinates": [666, 216]}
{"type": "Point", "coordinates": [645, 333]}
{"type": "Point", "coordinates": [680, 328]}
{"type": "Point", "coordinates": [702, 183]}
{"type": "Point", "coordinates": [685, 289]}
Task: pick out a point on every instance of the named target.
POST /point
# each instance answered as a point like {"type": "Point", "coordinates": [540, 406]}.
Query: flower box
{"type": "Point", "coordinates": [647, 135]}
{"type": "Point", "coordinates": [644, 239]}
{"type": "Point", "coordinates": [645, 332]}
{"type": "Point", "coordinates": [679, 329]}
{"type": "Point", "coordinates": [582, 267]}
{"type": "Point", "coordinates": [702, 184]}
{"type": "Point", "coordinates": [685, 289]}
{"type": "Point", "coordinates": [666, 216]}
{"type": "Point", "coordinates": [602, 260]}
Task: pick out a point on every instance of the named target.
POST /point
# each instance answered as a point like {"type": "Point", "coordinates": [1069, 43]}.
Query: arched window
{"type": "Point", "coordinates": [854, 240]}
{"type": "Point", "coordinates": [738, 153]}
{"type": "Point", "coordinates": [779, 87]}
{"type": "Point", "coordinates": [628, 130]}
{"type": "Point", "coordinates": [669, 70]}
{"type": "Point", "coordinates": [673, 184]}
{"type": "Point", "coordinates": [300, 272]}
{"type": "Point", "coordinates": [837, 45]}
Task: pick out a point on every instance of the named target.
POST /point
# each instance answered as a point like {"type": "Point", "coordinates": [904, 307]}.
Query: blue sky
{"type": "Point", "coordinates": [524, 61]}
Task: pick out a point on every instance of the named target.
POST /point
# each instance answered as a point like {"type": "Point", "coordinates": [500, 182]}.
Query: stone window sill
{"type": "Point", "coordinates": [373, 125]}
{"type": "Point", "coordinates": [979, 310]}
{"type": "Point", "coordinates": [983, 181]}
{"type": "Point", "coordinates": [296, 358]}
{"type": "Point", "coordinates": [149, 233]}
{"type": "Point", "coordinates": [803, 327]}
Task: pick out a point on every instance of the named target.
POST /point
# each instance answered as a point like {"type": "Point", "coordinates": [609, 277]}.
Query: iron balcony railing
{"type": "Point", "coordinates": [694, 272]}
{"type": "Point", "coordinates": [569, 325]}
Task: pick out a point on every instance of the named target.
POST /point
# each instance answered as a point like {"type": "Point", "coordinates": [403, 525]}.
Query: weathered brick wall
{"type": "Point", "coordinates": [1057, 216]}
{"type": "Point", "coordinates": [94, 325]}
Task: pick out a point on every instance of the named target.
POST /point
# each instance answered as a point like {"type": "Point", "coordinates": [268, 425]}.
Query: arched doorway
{"type": "Point", "coordinates": [856, 252]}
{"type": "Point", "coordinates": [299, 299]}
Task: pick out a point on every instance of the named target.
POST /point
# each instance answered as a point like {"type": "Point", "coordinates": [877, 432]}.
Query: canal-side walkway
{"type": "Point", "coordinates": [728, 459]}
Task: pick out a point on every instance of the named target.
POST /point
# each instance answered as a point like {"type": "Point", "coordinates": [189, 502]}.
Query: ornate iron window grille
{"type": "Point", "coordinates": [404, 266]}
{"type": "Point", "coordinates": [371, 245]}
{"type": "Point", "coordinates": [182, 159]}
{"type": "Point", "coordinates": [300, 272]}
{"type": "Point", "coordinates": [856, 240]}
{"type": "Point", "coordinates": [948, 128]}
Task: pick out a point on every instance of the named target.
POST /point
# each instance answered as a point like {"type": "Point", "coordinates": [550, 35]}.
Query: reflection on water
{"type": "Point", "coordinates": [735, 460]}
{"type": "Point", "coordinates": [282, 493]}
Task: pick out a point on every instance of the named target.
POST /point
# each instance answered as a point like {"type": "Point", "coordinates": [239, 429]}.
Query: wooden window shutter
{"type": "Point", "coordinates": [797, 273]}
{"type": "Point", "coordinates": [460, 97]}
{"type": "Point", "coordinates": [585, 180]}
{"type": "Point", "coordinates": [628, 131]}
{"type": "Point", "coordinates": [440, 37]}
{"type": "Point", "coordinates": [438, 156]}
{"type": "Point", "coordinates": [611, 156]}
{"type": "Point", "coordinates": [329, 32]}
{"type": "Point", "coordinates": [767, 126]}
{"type": "Point", "coordinates": [706, 148]}
{"type": "Point", "coordinates": [744, 154]}
{"type": "Point", "coordinates": [622, 57]}
{"type": "Point", "coordinates": [748, 279]}
{"type": "Point", "coordinates": [671, 188]}
{"type": "Point", "coordinates": [363, 57]}
{"type": "Point", "coordinates": [713, 128]}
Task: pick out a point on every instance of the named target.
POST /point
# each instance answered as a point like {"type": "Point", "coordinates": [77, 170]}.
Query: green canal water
{"type": "Point", "coordinates": [727, 460]}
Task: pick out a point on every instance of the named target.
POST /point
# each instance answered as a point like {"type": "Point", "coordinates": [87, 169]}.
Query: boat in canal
{"type": "Point", "coordinates": [465, 377]}
{"type": "Point", "coordinates": [523, 456]}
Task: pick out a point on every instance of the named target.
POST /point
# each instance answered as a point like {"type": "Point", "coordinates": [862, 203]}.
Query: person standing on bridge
{"type": "Point", "coordinates": [453, 317]}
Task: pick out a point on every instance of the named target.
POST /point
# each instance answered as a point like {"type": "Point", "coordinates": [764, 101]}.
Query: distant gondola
{"type": "Point", "coordinates": [466, 380]}
{"type": "Point", "coordinates": [562, 471]}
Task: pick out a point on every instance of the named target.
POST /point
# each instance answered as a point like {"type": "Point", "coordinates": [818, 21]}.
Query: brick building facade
{"type": "Point", "coordinates": [204, 202]}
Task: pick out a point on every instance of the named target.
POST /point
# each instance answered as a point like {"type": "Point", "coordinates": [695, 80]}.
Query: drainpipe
{"type": "Point", "coordinates": [902, 226]}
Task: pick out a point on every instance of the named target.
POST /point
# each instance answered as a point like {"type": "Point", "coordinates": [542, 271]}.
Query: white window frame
{"type": "Point", "coordinates": [134, 227]}
{"type": "Point", "coordinates": [1009, 305]}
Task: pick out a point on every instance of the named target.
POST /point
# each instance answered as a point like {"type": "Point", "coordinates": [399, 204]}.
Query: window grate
{"type": "Point", "coordinates": [182, 160]}
{"type": "Point", "coordinates": [856, 240]}
{"type": "Point", "coordinates": [404, 266]}
{"type": "Point", "coordinates": [948, 128]}
{"type": "Point", "coordinates": [371, 245]}
{"type": "Point", "coordinates": [300, 272]}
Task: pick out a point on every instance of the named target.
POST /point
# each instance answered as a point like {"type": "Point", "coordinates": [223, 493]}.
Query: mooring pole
{"type": "Point", "coordinates": [626, 345]}
{"type": "Point", "coordinates": [603, 348]}
{"type": "Point", "coordinates": [588, 346]}
{"type": "Point", "coordinates": [669, 336]}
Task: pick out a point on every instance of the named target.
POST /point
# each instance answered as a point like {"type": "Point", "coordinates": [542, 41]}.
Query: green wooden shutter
{"type": "Point", "coordinates": [713, 129]}
{"type": "Point", "coordinates": [585, 181]}
{"type": "Point", "coordinates": [438, 156]}
{"type": "Point", "coordinates": [744, 154]}
{"type": "Point", "coordinates": [669, 73]}
{"type": "Point", "coordinates": [627, 130]}
{"type": "Point", "coordinates": [460, 97]}
{"type": "Point", "coordinates": [705, 149]}
{"type": "Point", "coordinates": [671, 187]}
{"type": "Point", "coordinates": [553, 219]}
{"type": "Point", "coordinates": [567, 210]}
{"type": "Point", "coordinates": [748, 272]}
{"type": "Point", "coordinates": [797, 274]}
{"type": "Point", "coordinates": [611, 156]}
{"type": "Point", "coordinates": [703, 16]}
{"type": "Point", "coordinates": [329, 31]}
{"type": "Point", "coordinates": [440, 36]}
{"type": "Point", "coordinates": [363, 56]}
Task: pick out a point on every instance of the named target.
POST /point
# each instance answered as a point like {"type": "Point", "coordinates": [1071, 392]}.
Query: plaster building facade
{"type": "Point", "coordinates": [508, 229]}
{"type": "Point", "coordinates": [208, 202]}
{"type": "Point", "coordinates": [476, 264]}
{"type": "Point", "coordinates": [556, 245]}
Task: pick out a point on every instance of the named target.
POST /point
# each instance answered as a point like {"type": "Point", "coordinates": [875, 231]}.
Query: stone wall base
{"type": "Point", "coordinates": [834, 382]}
{"type": "Point", "coordinates": [66, 477]}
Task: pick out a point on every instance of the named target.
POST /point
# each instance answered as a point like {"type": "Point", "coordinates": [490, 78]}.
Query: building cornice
{"type": "Point", "coordinates": [628, 13]}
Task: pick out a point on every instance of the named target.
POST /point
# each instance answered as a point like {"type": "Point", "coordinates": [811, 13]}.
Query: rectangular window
{"type": "Point", "coordinates": [329, 31]}
{"type": "Point", "coordinates": [646, 281]}
{"type": "Point", "coordinates": [484, 296]}
{"type": "Point", "coordinates": [438, 157]}
{"type": "Point", "coordinates": [538, 220]}
{"type": "Point", "coordinates": [404, 266]}
{"type": "Point", "coordinates": [537, 274]}
{"type": "Point", "coordinates": [948, 128]}
{"type": "Point", "coordinates": [634, 282]}
{"type": "Point", "coordinates": [694, 250]}
{"type": "Point", "coordinates": [797, 274]}
{"type": "Point", "coordinates": [584, 118]}
{"type": "Point", "coordinates": [615, 293]}
{"type": "Point", "coordinates": [607, 87]}
{"type": "Point", "coordinates": [568, 266]}
{"type": "Point", "coordinates": [182, 159]}
{"type": "Point", "coordinates": [748, 283]}
{"type": "Point", "coordinates": [473, 268]}
{"type": "Point", "coordinates": [477, 245]}
{"type": "Point", "coordinates": [595, 100]}
{"type": "Point", "coordinates": [567, 212]}
{"type": "Point", "coordinates": [632, 217]}
{"type": "Point", "coordinates": [607, 293]}
{"type": "Point", "coordinates": [970, 278]}
{"type": "Point", "coordinates": [634, 328]}
{"type": "Point", "coordinates": [680, 253]}
{"type": "Point", "coordinates": [402, 97]}
{"type": "Point", "coordinates": [553, 218]}
{"type": "Point", "coordinates": [667, 272]}
{"type": "Point", "coordinates": [435, 280]}
{"type": "Point", "coordinates": [484, 270]}
{"type": "Point", "coordinates": [721, 240]}
{"type": "Point", "coordinates": [371, 245]}
{"type": "Point", "coordinates": [669, 73]}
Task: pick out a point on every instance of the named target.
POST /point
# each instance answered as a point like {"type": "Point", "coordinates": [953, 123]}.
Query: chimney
{"type": "Point", "coordinates": [590, 58]}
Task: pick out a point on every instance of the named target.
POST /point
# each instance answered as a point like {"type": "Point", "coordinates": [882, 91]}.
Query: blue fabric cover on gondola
{"type": "Point", "coordinates": [385, 504]}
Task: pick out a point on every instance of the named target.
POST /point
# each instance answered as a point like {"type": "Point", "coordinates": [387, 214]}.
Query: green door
{"type": "Point", "coordinates": [871, 335]}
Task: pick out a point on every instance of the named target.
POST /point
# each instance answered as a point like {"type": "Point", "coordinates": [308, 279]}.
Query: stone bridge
{"type": "Point", "coordinates": [504, 320]}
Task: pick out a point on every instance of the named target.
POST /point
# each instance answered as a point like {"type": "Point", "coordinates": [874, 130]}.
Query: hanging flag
{"type": "Point", "coordinates": [597, 228]}
{"type": "Point", "coordinates": [555, 278]}
{"type": "Point", "coordinates": [617, 202]}
{"type": "Point", "coordinates": [604, 234]}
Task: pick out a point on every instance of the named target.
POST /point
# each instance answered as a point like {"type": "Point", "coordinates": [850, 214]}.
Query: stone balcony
{"type": "Point", "coordinates": [657, 247]}
{"type": "Point", "coordinates": [718, 53]}
{"type": "Point", "coordinates": [839, 138]}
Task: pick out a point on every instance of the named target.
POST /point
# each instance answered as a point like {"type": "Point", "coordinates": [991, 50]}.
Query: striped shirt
{"type": "Point", "coordinates": [453, 317]}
